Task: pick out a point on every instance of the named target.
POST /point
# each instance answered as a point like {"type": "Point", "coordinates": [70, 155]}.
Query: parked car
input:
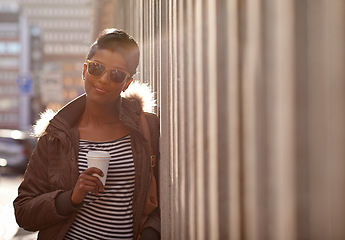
{"type": "Point", "coordinates": [15, 150]}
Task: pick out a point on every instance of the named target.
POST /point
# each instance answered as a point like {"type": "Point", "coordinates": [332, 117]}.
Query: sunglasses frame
{"type": "Point", "coordinates": [128, 75]}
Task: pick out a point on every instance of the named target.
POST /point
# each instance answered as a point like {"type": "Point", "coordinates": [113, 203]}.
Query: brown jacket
{"type": "Point", "coordinates": [44, 197]}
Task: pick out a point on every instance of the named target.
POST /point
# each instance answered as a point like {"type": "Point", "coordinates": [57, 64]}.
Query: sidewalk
{"type": "Point", "coordinates": [24, 235]}
{"type": "Point", "coordinates": [9, 229]}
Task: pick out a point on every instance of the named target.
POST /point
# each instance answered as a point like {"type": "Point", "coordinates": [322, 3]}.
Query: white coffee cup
{"type": "Point", "coordinates": [100, 160]}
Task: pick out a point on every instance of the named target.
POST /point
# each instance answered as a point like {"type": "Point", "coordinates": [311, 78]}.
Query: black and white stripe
{"type": "Point", "coordinates": [108, 215]}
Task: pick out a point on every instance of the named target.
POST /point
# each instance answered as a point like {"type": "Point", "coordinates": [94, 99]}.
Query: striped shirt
{"type": "Point", "coordinates": [108, 215]}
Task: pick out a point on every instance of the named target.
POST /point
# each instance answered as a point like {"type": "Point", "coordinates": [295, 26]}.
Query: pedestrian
{"type": "Point", "coordinates": [60, 196]}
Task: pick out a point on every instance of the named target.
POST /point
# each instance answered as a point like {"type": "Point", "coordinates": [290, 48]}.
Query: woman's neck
{"type": "Point", "coordinates": [99, 115]}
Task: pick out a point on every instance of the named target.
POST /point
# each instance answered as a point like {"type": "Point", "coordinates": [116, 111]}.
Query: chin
{"type": "Point", "coordinates": [104, 99]}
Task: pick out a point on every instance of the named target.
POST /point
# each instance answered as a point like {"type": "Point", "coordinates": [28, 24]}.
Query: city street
{"type": "Point", "coordinates": [9, 230]}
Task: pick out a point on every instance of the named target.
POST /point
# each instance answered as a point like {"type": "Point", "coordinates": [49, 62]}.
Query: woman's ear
{"type": "Point", "coordinates": [84, 71]}
{"type": "Point", "coordinates": [127, 84]}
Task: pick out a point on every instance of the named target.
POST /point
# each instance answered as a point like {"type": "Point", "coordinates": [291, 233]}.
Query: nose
{"type": "Point", "coordinates": [105, 78]}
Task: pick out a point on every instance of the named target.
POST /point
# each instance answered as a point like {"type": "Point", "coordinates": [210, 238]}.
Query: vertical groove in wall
{"type": "Point", "coordinates": [206, 109]}
{"type": "Point", "coordinates": [280, 118]}
{"type": "Point", "coordinates": [169, 81]}
{"type": "Point", "coordinates": [223, 124]}
{"type": "Point", "coordinates": [318, 138]}
{"type": "Point", "coordinates": [199, 128]}
{"type": "Point", "coordinates": [181, 81]}
{"type": "Point", "coordinates": [141, 40]}
{"type": "Point", "coordinates": [151, 59]}
{"type": "Point", "coordinates": [251, 69]}
{"type": "Point", "coordinates": [232, 230]}
{"type": "Point", "coordinates": [301, 131]}
{"type": "Point", "coordinates": [212, 128]}
{"type": "Point", "coordinates": [335, 17]}
{"type": "Point", "coordinates": [158, 50]}
{"type": "Point", "coordinates": [165, 177]}
{"type": "Point", "coordinates": [282, 135]}
{"type": "Point", "coordinates": [174, 114]}
{"type": "Point", "coordinates": [190, 119]}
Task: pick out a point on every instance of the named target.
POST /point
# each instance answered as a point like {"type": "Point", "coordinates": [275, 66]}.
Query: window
{"type": "Point", "coordinates": [9, 47]}
{"type": "Point", "coordinates": [13, 47]}
{"type": "Point", "coordinates": [2, 47]}
{"type": "Point", "coordinates": [8, 104]}
{"type": "Point", "coordinates": [8, 76]}
{"type": "Point", "coordinates": [9, 62]}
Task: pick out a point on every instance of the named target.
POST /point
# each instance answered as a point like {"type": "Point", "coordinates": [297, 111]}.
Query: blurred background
{"type": "Point", "coordinates": [250, 95]}
{"type": "Point", "coordinates": [43, 45]}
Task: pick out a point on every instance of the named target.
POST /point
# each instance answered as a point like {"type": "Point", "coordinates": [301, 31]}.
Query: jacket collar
{"type": "Point", "coordinates": [137, 98]}
{"type": "Point", "coordinates": [69, 115]}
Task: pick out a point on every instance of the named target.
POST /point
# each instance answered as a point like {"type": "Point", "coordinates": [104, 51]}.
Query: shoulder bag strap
{"type": "Point", "coordinates": [146, 131]}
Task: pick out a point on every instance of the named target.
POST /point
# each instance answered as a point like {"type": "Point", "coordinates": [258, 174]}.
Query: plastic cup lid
{"type": "Point", "coordinates": [98, 154]}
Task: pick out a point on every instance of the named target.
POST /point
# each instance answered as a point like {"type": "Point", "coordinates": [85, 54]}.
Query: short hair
{"type": "Point", "coordinates": [119, 41]}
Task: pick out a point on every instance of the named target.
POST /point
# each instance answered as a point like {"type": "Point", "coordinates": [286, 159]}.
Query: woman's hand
{"type": "Point", "coordinates": [87, 183]}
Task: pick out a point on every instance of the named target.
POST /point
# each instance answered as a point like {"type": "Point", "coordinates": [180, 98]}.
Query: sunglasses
{"type": "Point", "coordinates": [116, 75]}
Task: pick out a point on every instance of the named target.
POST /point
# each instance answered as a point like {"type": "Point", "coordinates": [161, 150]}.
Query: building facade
{"type": "Point", "coordinates": [66, 27]}
{"type": "Point", "coordinates": [15, 78]}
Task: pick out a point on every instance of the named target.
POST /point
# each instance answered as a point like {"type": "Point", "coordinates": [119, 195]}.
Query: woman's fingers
{"type": "Point", "coordinates": [87, 183]}
{"type": "Point", "coordinates": [90, 184]}
{"type": "Point", "coordinates": [92, 171]}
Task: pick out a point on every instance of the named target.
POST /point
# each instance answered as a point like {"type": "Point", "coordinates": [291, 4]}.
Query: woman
{"type": "Point", "coordinates": [60, 197]}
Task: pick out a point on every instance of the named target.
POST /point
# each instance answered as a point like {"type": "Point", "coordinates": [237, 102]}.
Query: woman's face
{"type": "Point", "coordinates": [101, 89]}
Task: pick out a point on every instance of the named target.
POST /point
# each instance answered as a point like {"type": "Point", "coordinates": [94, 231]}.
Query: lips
{"type": "Point", "coordinates": [100, 90]}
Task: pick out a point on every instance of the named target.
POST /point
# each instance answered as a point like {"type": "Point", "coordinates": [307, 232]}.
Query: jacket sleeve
{"type": "Point", "coordinates": [154, 219]}
{"type": "Point", "coordinates": [35, 207]}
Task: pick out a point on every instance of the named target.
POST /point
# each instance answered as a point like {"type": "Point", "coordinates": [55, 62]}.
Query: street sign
{"type": "Point", "coordinates": [24, 84]}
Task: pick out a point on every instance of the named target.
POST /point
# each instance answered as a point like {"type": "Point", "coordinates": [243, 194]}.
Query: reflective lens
{"type": "Point", "coordinates": [116, 75]}
{"type": "Point", "coordinates": [95, 69]}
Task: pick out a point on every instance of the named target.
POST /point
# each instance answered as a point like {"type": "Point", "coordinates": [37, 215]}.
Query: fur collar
{"type": "Point", "coordinates": [136, 90]}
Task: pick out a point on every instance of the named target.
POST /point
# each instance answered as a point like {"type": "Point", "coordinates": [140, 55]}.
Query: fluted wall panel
{"type": "Point", "coordinates": [251, 100]}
